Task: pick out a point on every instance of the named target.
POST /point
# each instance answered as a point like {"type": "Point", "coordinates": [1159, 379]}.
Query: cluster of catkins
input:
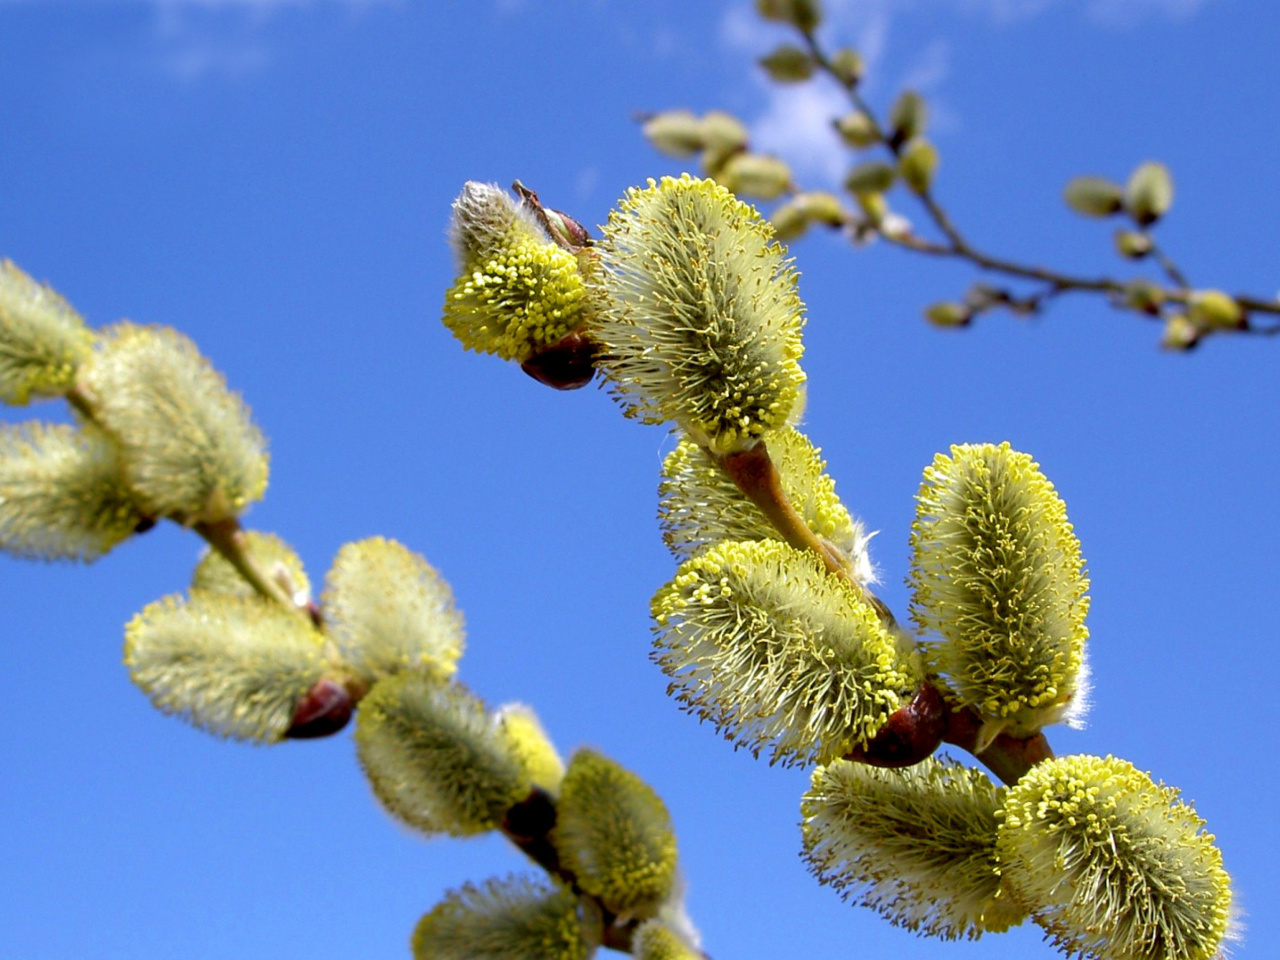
{"type": "Point", "coordinates": [770, 629]}
{"type": "Point", "coordinates": [247, 653]}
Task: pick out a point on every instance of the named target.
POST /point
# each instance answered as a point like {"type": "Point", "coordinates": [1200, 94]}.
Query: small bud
{"type": "Point", "coordinates": [874, 176]}
{"type": "Point", "coordinates": [858, 129]}
{"type": "Point", "coordinates": [874, 207]}
{"type": "Point", "coordinates": [788, 64]}
{"type": "Point", "coordinates": [567, 364]}
{"type": "Point", "coordinates": [1215, 310]}
{"type": "Point", "coordinates": [1180, 333]}
{"type": "Point", "coordinates": [654, 940]}
{"type": "Point", "coordinates": [1093, 196]}
{"type": "Point", "coordinates": [823, 208]}
{"type": "Point", "coordinates": [723, 131]}
{"type": "Point", "coordinates": [323, 711]}
{"type": "Point", "coordinates": [804, 14]}
{"type": "Point", "coordinates": [279, 561]}
{"type": "Point", "coordinates": [1149, 193]}
{"type": "Point", "coordinates": [789, 220]}
{"type": "Point", "coordinates": [1132, 244]}
{"type": "Point", "coordinates": [917, 163]}
{"type": "Point", "coordinates": [948, 313]}
{"type": "Point", "coordinates": [675, 132]}
{"type": "Point", "coordinates": [907, 117]}
{"type": "Point", "coordinates": [755, 175]}
{"type": "Point", "coordinates": [1143, 296]}
{"type": "Point", "coordinates": [848, 66]}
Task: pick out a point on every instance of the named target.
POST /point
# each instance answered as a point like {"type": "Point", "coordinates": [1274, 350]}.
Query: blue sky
{"type": "Point", "coordinates": [274, 178]}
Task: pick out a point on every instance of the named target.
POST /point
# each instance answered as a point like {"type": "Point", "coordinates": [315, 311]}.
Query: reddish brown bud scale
{"type": "Point", "coordinates": [565, 365]}
{"type": "Point", "coordinates": [323, 711]}
{"type": "Point", "coordinates": [911, 734]}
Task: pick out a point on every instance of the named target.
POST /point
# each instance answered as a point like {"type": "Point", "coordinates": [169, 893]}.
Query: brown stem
{"type": "Point", "coordinates": [1007, 757]}
{"type": "Point", "coordinates": [756, 476]}
{"type": "Point", "coordinates": [228, 538]}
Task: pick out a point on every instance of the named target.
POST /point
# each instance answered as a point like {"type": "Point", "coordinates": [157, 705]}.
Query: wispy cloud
{"type": "Point", "coordinates": [195, 39]}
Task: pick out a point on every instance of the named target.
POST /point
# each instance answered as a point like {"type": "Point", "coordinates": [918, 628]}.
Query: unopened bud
{"type": "Point", "coordinates": [907, 117]}
{"type": "Point", "coordinates": [918, 163]}
{"type": "Point", "coordinates": [874, 176]}
{"type": "Point", "coordinates": [789, 221]}
{"type": "Point", "coordinates": [1149, 193]}
{"type": "Point", "coordinates": [1133, 244]}
{"type": "Point", "coordinates": [1093, 196]}
{"type": "Point", "coordinates": [1215, 310]}
{"type": "Point", "coordinates": [788, 64]}
{"type": "Point", "coordinates": [675, 132]}
{"type": "Point", "coordinates": [948, 313]}
{"type": "Point", "coordinates": [848, 66]}
{"type": "Point", "coordinates": [756, 175]}
{"type": "Point", "coordinates": [1179, 333]}
{"type": "Point", "coordinates": [805, 14]}
{"type": "Point", "coordinates": [1144, 296]}
{"type": "Point", "coordinates": [723, 131]}
{"type": "Point", "coordinates": [858, 129]}
{"type": "Point", "coordinates": [823, 208]}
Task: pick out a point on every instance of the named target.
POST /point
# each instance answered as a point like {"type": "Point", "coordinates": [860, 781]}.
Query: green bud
{"type": "Point", "coordinates": [1215, 310]}
{"type": "Point", "coordinates": [858, 129]}
{"type": "Point", "coordinates": [762, 640]}
{"type": "Point", "coordinates": [755, 175]}
{"type": "Point", "coordinates": [723, 131]}
{"type": "Point", "coordinates": [804, 14]}
{"type": "Point", "coordinates": [917, 163]}
{"type": "Point", "coordinates": [1148, 193]}
{"type": "Point", "coordinates": [703, 321]}
{"type": "Point", "coordinates": [1112, 864]}
{"type": "Point", "coordinates": [189, 448]}
{"type": "Point", "coordinates": [1180, 333]}
{"type": "Point", "coordinates": [675, 132]}
{"type": "Point", "coordinates": [654, 940]}
{"type": "Point", "coordinates": [821, 207]}
{"type": "Point", "coordinates": [1132, 244]}
{"type": "Point", "coordinates": [62, 493]}
{"type": "Point", "coordinates": [790, 220]}
{"type": "Point", "coordinates": [388, 610]}
{"type": "Point", "coordinates": [907, 117]}
{"type": "Point", "coordinates": [43, 341]}
{"type": "Point", "coordinates": [917, 845]}
{"type": "Point", "coordinates": [788, 64]}
{"type": "Point", "coordinates": [615, 835]}
{"type": "Point", "coordinates": [874, 207]}
{"type": "Point", "coordinates": [998, 577]}
{"type": "Point", "coordinates": [848, 66]}
{"type": "Point", "coordinates": [435, 758]}
{"type": "Point", "coordinates": [948, 313]}
{"type": "Point", "coordinates": [233, 666]}
{"type": "Point", "coordinates": [873, 176]}
{"type": "Point", "coordinates": [1093, 196]}
{"type": "Point", "coordinates": [1143, 296]}
{"type": "Point", "coordinates": [505, 919]}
